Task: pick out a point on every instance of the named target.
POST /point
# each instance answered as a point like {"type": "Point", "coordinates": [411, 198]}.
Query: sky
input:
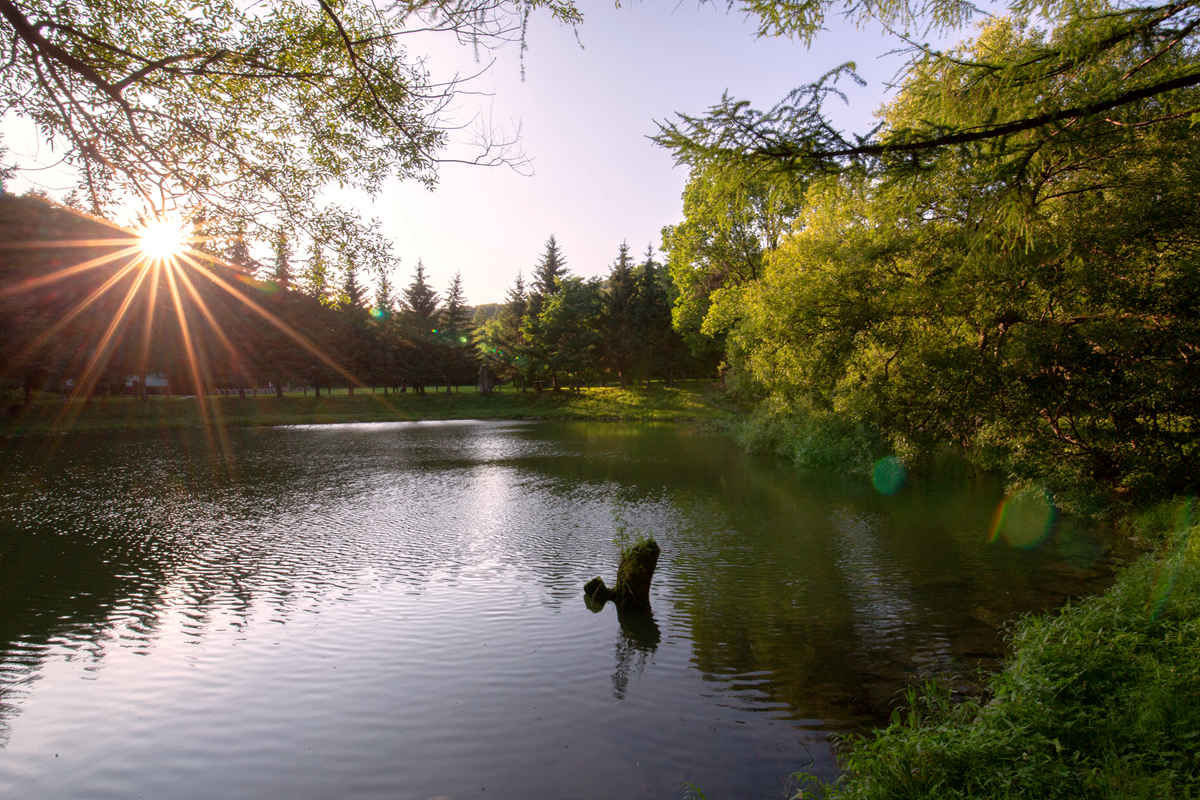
{"type": "Point", "coordinates": [585, 109]}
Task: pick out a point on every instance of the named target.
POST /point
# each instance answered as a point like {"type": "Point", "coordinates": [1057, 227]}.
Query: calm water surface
{"type": "Point", "coordinates": [396, 611]}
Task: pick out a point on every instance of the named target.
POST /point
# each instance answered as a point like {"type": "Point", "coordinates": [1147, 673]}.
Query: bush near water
{"type": "Point", "coordinates": [1098, 700]}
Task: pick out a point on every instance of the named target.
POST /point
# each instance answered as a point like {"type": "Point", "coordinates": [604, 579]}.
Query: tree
{"type": "Point", "coordinates": [456, 316]}
{"type": "Point", "coordinates": [504, 346]}
{"type": "Point", "coordinates": [733, 221]}
{"type": "Point", "coordinates": [419, 298]}
{"type": "Point", "coordinates": [282, 251]}
{"type": "Point", "coordinates": [455, 328]}
{"type": "Point", "coordinates": [352, 296]}
{"type": "Point", "coordinates": [419, 327]}
{"type": "Point", "coordinates": [568, 332]}
{"type": "Point", "coordinates": [550, 270]}
{"type": "Point", "coordinates": [1037, 310]}
{"type": "Point", "coordinates": [652, 318]}
{"type": "Point", "coordinates": [385, 301]}
{"type": "Point", "coordinates": [314, 278]}
{"type": "Point", "coordinates": [238, 251]}
{"type": "Point", "coordinates": [245, 111]}
{"type": "Point", "coordinates": [1060, 86]}
{"type": "Point", "coordinates": [620, 331]}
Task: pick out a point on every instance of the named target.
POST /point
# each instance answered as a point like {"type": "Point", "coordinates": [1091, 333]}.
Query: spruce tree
{"type": "Point", "coordinates": [353, 294]}
{"type": "Point", "coordinates": [282, 275]}
{"type": "Point", "coordinates": [550, 270]}
{"type": "Point", "coordinates": [512, 315]}
{"type": "Point", "coordinates": [315, 278]}
{"type": "Point", "coordinates": [238, 252]}
{"type": "Point", "coordinates": [420, 320]}
{"type": "Point", "coordinates": [419, 299]}
{"type": "Point", "coordinates": [456, 317]}
{"type": "Point", "coordinates": [620, 332]}
{"type": "Point", "coordinates": [652, 315]}
{"type": "Point", "coordinates": [385, 301]}
{"type": "Point", "coordinates": [455, 332]}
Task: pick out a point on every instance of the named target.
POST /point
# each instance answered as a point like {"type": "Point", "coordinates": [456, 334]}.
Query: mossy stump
{"type": "Point", "coordinates": [633, 577]}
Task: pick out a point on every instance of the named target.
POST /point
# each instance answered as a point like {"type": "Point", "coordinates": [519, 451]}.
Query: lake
{"type": "Point", "coordinates": [396, 611]}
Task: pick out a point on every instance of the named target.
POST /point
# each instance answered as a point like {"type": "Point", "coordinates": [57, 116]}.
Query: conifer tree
{"type": "Point", "coordinates": [239, 251]}
{"type": "Point", "coordinates": [315, 277]}
{"type": "Point", "coordinates": [420, 322]}
{"type": "Point", "coordinates": [283, 267]}
{"type": "Point", "coordinates": [620, 332]}
{"type": "Point", "coordinates": [385, 301]}
{"type": "Point", "coordinates": [652, 315]}
{"type": "Point", "coordinates": [455, 333]}
{"type": "Point", "coordinates": [510, 340]}
{"type": "Point", "coordinates": [419, 298]}
{"type": "Point", "coordinates": [352, 294]}
{"type": "Point", "coordinates": [550, 270]}
{"type": "Point", "coordinates": [456, 317]}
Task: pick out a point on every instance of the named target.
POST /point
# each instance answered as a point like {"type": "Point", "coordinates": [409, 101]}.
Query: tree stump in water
{"type": "Point", "coordinates": [633, 577]}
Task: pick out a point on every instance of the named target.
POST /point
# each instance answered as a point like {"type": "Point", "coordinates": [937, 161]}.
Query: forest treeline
{"type": "Point", "coordinates": [229, 324]}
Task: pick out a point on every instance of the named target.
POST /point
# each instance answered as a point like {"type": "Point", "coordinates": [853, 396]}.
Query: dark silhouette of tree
{"type": "Point", "coordinates": [419, 298]}
{"type": "Point", "coordinates": [620, 330]}
{"type": "Point", "coordinates": [500, 341]}
{"type": "Point", "coordinates": [420, 320]}
{"type": "Point", "coordinates": [282, 252]}
{"type": "Point", "coordinates": [460, 365]}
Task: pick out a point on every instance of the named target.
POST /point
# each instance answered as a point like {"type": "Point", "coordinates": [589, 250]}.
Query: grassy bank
{"type": "Point", "coordinates": [50, 414]}
{"type": "Point", "coordinates": [1098, 700]}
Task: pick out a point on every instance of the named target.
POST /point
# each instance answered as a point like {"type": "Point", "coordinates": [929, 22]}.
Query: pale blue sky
{"type": "Point", "coordinates": [584, 114]}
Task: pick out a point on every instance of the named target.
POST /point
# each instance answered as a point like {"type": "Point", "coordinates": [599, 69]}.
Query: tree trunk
{"type": "Point", "coordinates": [350, 390]}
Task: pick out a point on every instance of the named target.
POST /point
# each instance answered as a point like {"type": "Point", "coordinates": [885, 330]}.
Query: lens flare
{"type": "Point", "coordinates": [162, 239]}
{"type": "Point", "coordinates": [889, 475]}
{"type": "Point", "coordinates": [1025, 519]}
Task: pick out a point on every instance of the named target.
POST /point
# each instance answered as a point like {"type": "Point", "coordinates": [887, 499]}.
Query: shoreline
{"type": "Point", "coordinates": [51, 415]}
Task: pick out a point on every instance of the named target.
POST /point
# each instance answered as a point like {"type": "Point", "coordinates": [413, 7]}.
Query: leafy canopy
{"type": "Point", "coordinates": [244, 111]}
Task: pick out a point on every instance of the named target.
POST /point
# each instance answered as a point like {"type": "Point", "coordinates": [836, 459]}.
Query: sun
{"type": "Point", "coordinates": [162, 239]}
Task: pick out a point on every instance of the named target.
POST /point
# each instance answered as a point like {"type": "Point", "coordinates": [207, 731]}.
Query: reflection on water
{"type": "Point", "coordinates": [396, 610]}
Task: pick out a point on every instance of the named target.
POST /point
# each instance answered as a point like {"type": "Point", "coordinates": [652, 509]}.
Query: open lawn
{"type": "Point", "coordinates": [50, 414]}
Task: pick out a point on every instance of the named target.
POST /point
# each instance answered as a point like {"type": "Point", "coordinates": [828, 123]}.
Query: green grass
{"type": "Point", "coordinates": [1098, 700]}
{"type": "Point", "coordinates": [50, 414]}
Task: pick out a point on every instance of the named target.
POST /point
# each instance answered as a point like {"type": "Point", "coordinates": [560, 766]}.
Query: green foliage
{"type": "Point", "coordinates": [565, 337]}
{"type": "Point", "coordinates": [732, 220]}
{"type": "Point", "coordinates": [820, 441]}
{"type": "Point", "coordinates": [1061, 85]}
{"type": "Point", "coordinates": [620, 301]}
{"type": "Point", "coordinates": [625, 536]}
{"type": "Point", "coordinates": [1031, 302]}
{"type": "Point", "coordinates": [1099, 700]}
{"type": "Point", "coordinates": [243, 113]}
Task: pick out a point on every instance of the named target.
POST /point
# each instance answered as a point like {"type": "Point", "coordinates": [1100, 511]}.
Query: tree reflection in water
{"type": "Point", "coordinates": [639, 640]}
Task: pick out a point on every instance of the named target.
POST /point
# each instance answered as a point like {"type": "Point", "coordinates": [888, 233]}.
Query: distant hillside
{"type": "Point", "coordinates": [485, 311]}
